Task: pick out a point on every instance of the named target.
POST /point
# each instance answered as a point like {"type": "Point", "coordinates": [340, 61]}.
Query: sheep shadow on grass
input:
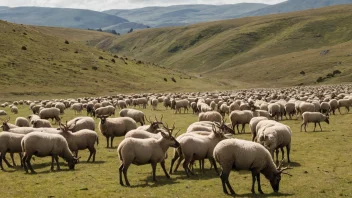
{"type": "Point", "coordinates": [273, 194]}
{"type": "Point", "coordinates": [161, 181]}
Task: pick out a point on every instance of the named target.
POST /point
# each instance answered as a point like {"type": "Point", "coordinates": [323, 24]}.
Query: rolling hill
{"type": "Point", "coordinates": [276, 50]}
{"type": "Point", "coordinates": [185, 14]}
{"type": "Point", "coordinates": [65, 17]}
{"type": "Point", "coordinates": [37, 62]}
{"type": "Point", "coordinates": [295, 5]}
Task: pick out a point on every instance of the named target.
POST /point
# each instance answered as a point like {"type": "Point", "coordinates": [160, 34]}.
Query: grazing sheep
{"type": "Point", "coordinates": [236, 154]}
{"type": "Point", "coordinates": [21, 122]}
{"type": "Point", "coordinates": [50, 113]}
{"type": "Point", "coordinates": [41, 123]}
{"type": "Point", "coordinates": [14, 110]}
{"type": "Point", "coordinates": [344, 103]}
{"type": "Point", "coordinates": [212, 116]}
{"type": "Point", "coordinates": [334, 105]}
{"type": "Point", "coordinates": [46, 144]}
{"type": "Point", "coordinates": [11, 143]}
{"type": "Point", "coordinates": [194, 108]}
{"type": "Point", "coordinates": [115, 127]}
{"type": "Point", "coordinates": [240, 117]}
{"type": "Point", "coordinates": [207, 126]}
{"type": "Point", "coordinates": [245, 106]}
{"type": "Point", "coordinates": [212, 105]}
{"type": "Point", "coordinates": [253, 125]}
{"type": "Point", "coordinates": [261, 113]}
{"type": "Point", "coordinates": [90, 109]}
{"type": "Point", "coordinates": [315, 117]}
{"type": "Point", "coordinates": [305, 107]}
{"type": "Point", "coordinates": [80, 140]}
{"type": "Point", "coordinates": [107, 110]}
{"type": "Point", "coordinates": [36, 109]}
{"type": "Point", "coordinates": [144, 151]}
{"type": "Point", "coordinates": [2, 112]}
{"type": "Point", "coordinates": [77, 107]}
{"type": "Point", "coordinates": [136, 115]}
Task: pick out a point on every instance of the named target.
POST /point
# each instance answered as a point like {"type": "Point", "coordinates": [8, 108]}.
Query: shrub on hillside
{"type": "Point", "coordinates": [320, 79]}
{"type": "Point", "coordinates": [337, 72]}
{"type": "Point", "coordinates": [24, 48]}
{"type": "Point", "coordinates": [66, 42]}
{"type": "Point", "coordinates": [95, 68]}
{"type": "Point", "coordinates": [173, 79]}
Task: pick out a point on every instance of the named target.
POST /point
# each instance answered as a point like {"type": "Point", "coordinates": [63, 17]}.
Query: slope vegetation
{"type": "Point", "coordinates": [36, 64]}
{"type": "Point", "coordinates": [264, 51]}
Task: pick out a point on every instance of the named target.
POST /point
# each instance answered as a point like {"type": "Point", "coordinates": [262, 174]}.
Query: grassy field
{"type": "Point", "coordinates": [37, 63]}
{"type": "Point", "coordinates": [275, 47]}
{"type": "Point", "coordinates": [321, 168]}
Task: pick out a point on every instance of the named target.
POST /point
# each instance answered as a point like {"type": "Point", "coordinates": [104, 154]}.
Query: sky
{"type": "Point", "coordinates": [100, 5]}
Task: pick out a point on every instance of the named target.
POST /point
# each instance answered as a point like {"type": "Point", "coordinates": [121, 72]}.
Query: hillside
{"type": "Point", "coordinates": [64, 17]}
{"type": "Point", "coordinates": [185, 14]}
{"type": "Point", "coordinates": [295, 5]}
{"type": "Point", "coordinates": [276, 48]}
{"type": "Point", "coordinates": [36, 64]}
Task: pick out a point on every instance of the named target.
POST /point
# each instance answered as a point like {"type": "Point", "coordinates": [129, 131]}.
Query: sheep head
{"type": "Point", "coordinates": [171, 139]}
{"type": "Point", "coordinates": [275, 180]}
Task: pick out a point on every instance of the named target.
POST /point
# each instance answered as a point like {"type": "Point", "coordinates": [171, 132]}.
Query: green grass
{"type": "Point", "coordinates": [49, 68]}
{"type": "Point", "coordinates": [276, 47]}
{"type": "Point", "coordinates": [321, 168]}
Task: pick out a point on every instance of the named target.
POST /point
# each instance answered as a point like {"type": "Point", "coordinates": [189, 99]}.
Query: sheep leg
{"type": "Point", "coordinates": [1, 167]}
{"type": "Point", "coordinates": [305, 127]}
{"type": "Point", "coordinates": [238, 130]}
{"type": "Point", "coordinates": [253, 182]}
{"type": "Point", "coordinates": [92, 152]}
{"type": "Point", "coordinates": [302, 126]}
{"type": "Point", "coordinates": [225, 182]}
{"type": "Point", "coordinates": [29, 165]}
{"type": "Point", "coordinates": [52, 163]}
{"type": "Point", "coordinates": [186, 165]}
{"type": "Point", "coordinates": [164, 169]}
{"type": "Point", "coordinates": [259, 186]}
{"type": "Point", "coordinates": [13, 160]}
{"type": "Point", "coordinates": [111, 142]}
{"type": "Point", "coordinates": [283, 153]}
{"type": "Point", "coordinates": [107, 142]}
{"type": "Point", "coordinates": [173, 160]}
{"type": "Point", "coordinates": [124, 170]}
{"type": "Point", "coordinates": [288, 149]}
{"type": "Point", "coordinates": [154, 169]}
{"type": "Point", "coordinates": [320, 126]}
{"type": "Point", "coordinates": [57, 162]}
{"type": "Point", "coordinates": [213, 162]}
{"type": "Point", "coordinates": [21, 159]}
{"type": "Point", "coordinates": [120, 174]}
{"type": "Point", "coordinates": [24, 159]}
{"type": "Point", "coordinates": [315, 125]}
{"type": "Point", "coordinates": [3, 156]}
{"type": "Point", "coordinates": [181, 157]}
{"type": "Point", "coordinates": [277, 156]}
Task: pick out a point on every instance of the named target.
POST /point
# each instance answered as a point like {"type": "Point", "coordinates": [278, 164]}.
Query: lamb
{"type": "Point", "coordinates": [240, 117]}
{"type": "Point", "coordinates": [48, 113]}
{"type": "Point", "coordinates": [107, 110]}
{"type": "Point", "coordinates": [275, 137]}
{"type": "Point", "coordinates": [115, 127]}
{"type": "Point", "coordinates": [46, 144]}
{"type": "Point", "coordinates": [253, 125]}
{"type": "Point", "coordinates": [41, 123]}
{"type": "Point", "coordinates": [154, 103]}
{"type": "Point", "coordinates": [344, 103]}
{"type": "Point", "coordinates": [315, 117]}
{"type": "Point", "coordinates": [144, 151]}
{"type": "Point", "coordinates": [334, 105]}
{"type": "Point", "coordinates": [212, 116]}
{"type": "Point", "coordinates": [136, 115]}
{"type": "Point", "coordinates": [21, 122]}
{"type": "Point", "coordinates": [80, 140]}
{"type": "Point", "coordinates": [80, 123]}
{"type": "Point", "coordinates": [236, 154]}
{"type": "Point", "coordinates": [10, 142]}
{"type": "Point", "coordinates": [14, 110]}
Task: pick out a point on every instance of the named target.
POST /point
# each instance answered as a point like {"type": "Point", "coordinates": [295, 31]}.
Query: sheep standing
{"type": "Point", "coordinates": [240, 117]}
{"type": "Point", "coordinates": [41, 123]}
{"type": "Point", "coordinates": [274, 110]}
{"type": "Point", "coordinates": [50, 113]}
{"type": "Point", "coordinates": [324, 108]}
{"type": "Point", "coordinates": [21, 122]}
{"type": "Point", "coordinates": [236, 154]}
{"type": "Point", "coordinates": [253, 125]}
{"type": "Point", "coordinates": [115, 127]}
{"type": "Point", "coordinates": [122, 104]}
{"type": "Point", "coordinates": [144, 151]}
{"type": "Point", "coordinates": [10, 143]}
{"type": "Point", "coordinates": [80, 123]}
{"type": "Point", "coordinates": [290, 109]}
{"type": "Point", "coordinates": [154, 103]}
{"type": "Point", "coordinates": [334, 105]}
{"type": "Point", "coordinates": [315, 117]}
{"type": "Point", "coordinates": [14, 109]}
{"type": "Point", "coordinates": [181, 104]}
{"type": "Point", "coordinates": [46, 144]}
{"type": "Point", "coordinates": [136, 115]}
{"type": "Point", "coordinates": [344, 103]}
{"type": "Point", "coordinates": [61, 106]}
{"type": "Point", "coordinates": [107, 110]}
{"type": "Point", "coordinates": [212, 116]}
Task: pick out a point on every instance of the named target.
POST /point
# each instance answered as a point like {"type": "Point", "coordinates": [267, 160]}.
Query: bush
{"type": "Point", "coordinates": [303, 73]}
{"type": "Point", "coordinates": [130, 31]}
{"type": "Point", "coordinates": [173, 79]}
{"type": "Point", "coordinates": [337, 72]}
{"type": "Point", "coordinates": [113, 60]}
{"type": "Point", "coordinates": [24, 48]}
{"type": "Point", "coordinates": [101, 58]}
{"type": "Point", "coordinates": [76, 51]}
{"type": "Point", "coordinates": [165, 79]}
{"type": "Point", "coordinates": [320, 79]}
{"type": "Point", "coordinates": [66, 42]}
{"type": "Point", "coordinates": [95, 68]}
{"type": "Point", "coordinates": [330, 75]}
{"type": "Point", "coordinates": [116, 56]}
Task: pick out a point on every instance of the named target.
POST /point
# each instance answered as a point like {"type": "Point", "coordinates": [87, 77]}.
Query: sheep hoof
{"type": "Point", "coordinates": [33, 172]}
{"type": "Point", "coordinates": [261, 192]}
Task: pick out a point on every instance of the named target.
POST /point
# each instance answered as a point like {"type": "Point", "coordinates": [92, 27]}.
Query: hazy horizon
{"type": "Point", "coordinates": [101, 5]}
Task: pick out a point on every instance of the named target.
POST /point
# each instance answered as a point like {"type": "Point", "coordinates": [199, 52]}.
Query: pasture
{"type": "Point", "coordinates": [321, 167]}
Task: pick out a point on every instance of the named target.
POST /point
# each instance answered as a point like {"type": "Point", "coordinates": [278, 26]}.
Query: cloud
{"type": "Point", "coordinates": [100, 5]}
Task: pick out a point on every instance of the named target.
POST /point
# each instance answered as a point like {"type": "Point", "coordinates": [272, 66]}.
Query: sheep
{"type": "Point", "coordinates": [90, 109]}
{"type": "Point", "coordinates": [212, 116]}
{"type": "Point", "coordinates": [33, 117]}
{"type": "Point", "coordinates": [48, 113]}
{"type": "Point", "coordinates": [97, 106]}
{"type": "Point", "coordinates": [224, 109]}
{"type": "Point", "coordinates": [3, 112]}
{"type": "Point", "coordinates": [305, 107]}
{"type": "Point", "coordinates": [344, 103]}
{"type": "Point", "coordinates": [36, 108]}
{"type": "Point", "coordinates": [154, 103]}
{"type": "Point", "coordinates": [240, 117]}
{"type": "Point", "coordinates": [80, 123]}
{"type": "Point", "coordinates": [122, 104]}
{"type": "Point", "coordinates": [334, 105]}
{"type": "Point", "coordinates": [153, 127]}
{"type": "Point", "coordinates": [46, 144]}
{"type": "Point", "coordinates": [80, 140]}
{"type": "Point", "coordinates": [41, 123]}
{"type": "Point", "coordinates": [196, 147]}
{"type": "Point", "coordinates": [181, 104]}
{"type": "Point", "coordinates": [21, 122]}
{"type": "Point", "coordinates": [105, 103]}
{"type": "Point", "coordinates": [234, 106]}
{"type": "Point", "coordinates": [274, 110]}
{"type": "Point", "coordinates": [194, 107]}
{"type": "Point", "coordinates": [61, 106]}
{"type": "Point", "coordinates": [245, 106]}
{"type": "Point", "coordinates": [115, 127]}
{"type": "Point", "coordinates": [77, 107]}
{"type": "Point", "coordinates": [275, 137]}
{"type": "Point", "coordinates": [315, 117]}
{"type": "Point", "coordinates": [107, 110]}
{"type": "Point", "coordinates": [167, 102]}
{"type": "Point", "coordinates": [206, 126]}
{"type": "Point", "coordinates": [144, 151]}
{"type": "Point", "coordinates": [10, 142]}
{"type": "Point", "coordinates": [290, 109]}
{"type": "Point", "coordinates": [253, 125]}
{"type": "Point", "coordinates": [212, 105]}
{"type": "Point", "coordinates": [236, 154]}
{"type": "Point", "coordinates": [261, 113]}
{"type": "Point", "coordinates": [14, 110]}
{"type": "Point", "coordinates": [136, 115]}
{"type": "Point", "coordinates": [325, 108]}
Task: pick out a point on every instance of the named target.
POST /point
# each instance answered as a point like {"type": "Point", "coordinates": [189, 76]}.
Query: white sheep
{"type": "Point", "coordinates": [33, 117]}
{"type": "Point", "coordinates": [334, 105]}
{"type": "Point", "coordinates": [325, 108]}
{"type": "Point", "coordinates": [240, 117]}
{"type": "Point", "coordinates": [3, 112]}
{"type": "Point", "coordinates": [179, 104]}
{"type": "Point", "coordinates": [50, 113]}
{"type": "Point", "coordinates": [305, 107]}
{"type": "Point", "coordinates": [154, 102]}
{"type": "Point", "coordinates": [14, 109]}
{"type": "Point", "coordinates": [41, 123]}
{"type": "Point", "coordinates": [61, 106]}
{"type": "Point", "coordinates": [212, 116]}
{"type": "Point", "coordinates": [224, 109]}
{"type": "Point", "coordinates": [136, 115]}
{"type": "Point", "coordinates": [21, 122]}
{"type": "Point", "coordinates": [236, 154]}
{"type": "Point", "coordinates": [274, 110]}
{"type": "Point", "coordinates": [212, 105]}
{"type": "Point", "coordinates": [80, 123]}
{"type": "Point", "coordinates": [77, 107]}
{"type": "Point", "coordinates": [122, 104]}
{"type": "Point", "coordinates": [144, 151]}
{"type": "Point", "coordinates": [115, 127]}
{"type": "Point", "coordinates": [315, 117]}
{"type": "Point", "coordinates": [253, 125]}
{"type": "Point", "coordinates": [234, 106]}
{"type": "Point", "coordinates": [10, 143]}
{"type": "Point", "coordinates": [344, 103]}
{"type": "Point", "coordinates": [290, 109]}
{"type": "Point", "coordinates": [107, 110]}
{"type": "Point", "coordinates": [46, 144]}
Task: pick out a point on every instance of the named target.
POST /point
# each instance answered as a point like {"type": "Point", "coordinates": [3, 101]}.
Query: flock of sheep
{"type": "Point", "coordinates": [209, 138]}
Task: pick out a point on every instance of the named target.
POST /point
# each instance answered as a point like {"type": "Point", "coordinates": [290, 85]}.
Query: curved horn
{"type": "Point", "coordinates": [280, 164]}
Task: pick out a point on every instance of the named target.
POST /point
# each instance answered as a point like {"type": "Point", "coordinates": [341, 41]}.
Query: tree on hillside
{"type": "Point", "coordinates": [131, 30]}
